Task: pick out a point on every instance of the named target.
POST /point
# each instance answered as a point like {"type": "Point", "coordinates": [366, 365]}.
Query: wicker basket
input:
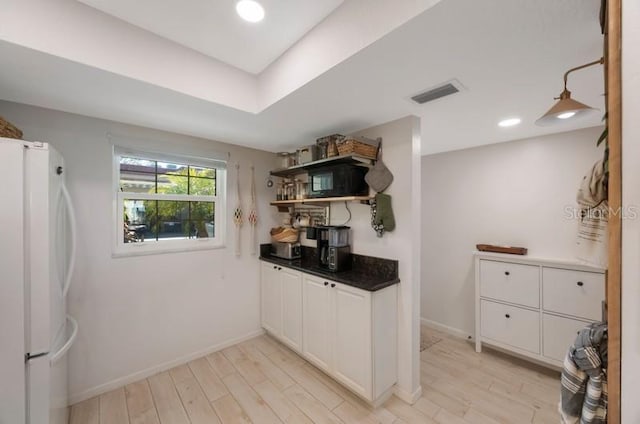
{"type": "Point", "coordinates": [359, 146]}
{"type": "Point", "coordinates": [8, 130]}
{"type": "Point", "coordinates": [284, 235]}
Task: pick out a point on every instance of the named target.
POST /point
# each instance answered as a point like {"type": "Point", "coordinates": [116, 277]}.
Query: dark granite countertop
{"type": "Point", "coordinates": [367, 272]}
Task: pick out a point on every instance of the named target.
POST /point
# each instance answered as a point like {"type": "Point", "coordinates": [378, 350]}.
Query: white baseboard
{"type": "Point", "coordinates": [406, 396]}
{"type": "Point", "coordinates": [137, 376]}
{"type": "Point", "coordinates": [446, 329]}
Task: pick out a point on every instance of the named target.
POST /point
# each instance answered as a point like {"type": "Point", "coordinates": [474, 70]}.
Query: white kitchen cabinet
{"type": "Point", "coordinates": [316, 316]}
{"type": "Point", "coordinates": [281, 303]}
{"type": "Point", "coordinates": [347, 332]}
{"type": "Point", "coordinates": [351, 334]}
{"type": "Point", "coordinates": [291, 308]}
{"type": "Point", "coordinates": [534, 307]}
{"type": "Point", "coordinates": [271, 298]}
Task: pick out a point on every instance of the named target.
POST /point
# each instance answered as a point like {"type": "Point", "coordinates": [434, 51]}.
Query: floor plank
{"type": "Point", "coordinates": [313, 408]}
{"type": "Point", "coordinates": [229, 411]}
{"type": "Point", "coordinates": [220, 364]}
{"type": "Point", "coordinates": [209, 381]}
{"type": "Point", "coordinates": [113, 407]}
{"type": "Point", "coordinates": [286, 410]}
{"type": "Point", "coordinates": [406, 413]}
{"type": "Point", "coordinates": [140, 403]}
{"type": "Point", "coordinates": [168, 404]}
{"type": "Point", "coordinates": [270, 370]}
{"type": "Point", "coordinates": [255, 407]}
{"type": "Point", "coordinates": [263, 381]}
{"type": "Point", "coordinates": [193, 398]}
{"type": "Point", "coordinates": [86, 412]}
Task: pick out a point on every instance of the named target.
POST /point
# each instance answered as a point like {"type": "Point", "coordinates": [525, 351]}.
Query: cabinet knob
{"type": "Point", "coordinates": [326, 283]}
{"type": "Point", "coordinates": [507, 316]}
{"type": "Point", "coordinates": [275, 267]}
{"type": "Point", "coordinates": [333, 285]}
{"type": "Point", "coordinates": [507, 273]}
{"type": "Point", "coordinates": [580, 283]}
{"type": "Point", "coordinates": [279, 268]}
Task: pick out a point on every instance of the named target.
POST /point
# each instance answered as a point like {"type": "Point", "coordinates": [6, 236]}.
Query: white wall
{"type": "Point", "coordinates": [630, 197]}
{"type": "Point", "coordinates": [511, 193]}
{"type": "Point", "coordinates": [137, 313]}
{"type": "Point", "coordinates": [401, 154]}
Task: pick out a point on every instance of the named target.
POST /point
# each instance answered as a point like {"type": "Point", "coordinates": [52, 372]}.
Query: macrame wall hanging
{"type": "Point", "coordinates": [253, 213]}
{"type": "Point", "coordinates": [237, 213]}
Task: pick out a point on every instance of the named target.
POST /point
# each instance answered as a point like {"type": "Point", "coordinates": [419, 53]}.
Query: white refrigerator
{"type": "Point", "coordinates": [37, 251]}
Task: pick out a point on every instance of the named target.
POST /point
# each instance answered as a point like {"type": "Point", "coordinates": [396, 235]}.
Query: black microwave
{"type": "Point", "coordinates": [338, 181]}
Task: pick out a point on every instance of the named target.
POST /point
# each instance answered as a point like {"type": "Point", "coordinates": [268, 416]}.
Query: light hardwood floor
{"type": "Point", "coordinates": [261, 381]}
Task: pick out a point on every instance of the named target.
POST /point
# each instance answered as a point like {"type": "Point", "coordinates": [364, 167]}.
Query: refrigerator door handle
{"type": "Point", "coordinates": [65, 347]}
{"type": "Point", "coordinates": [72, 229]}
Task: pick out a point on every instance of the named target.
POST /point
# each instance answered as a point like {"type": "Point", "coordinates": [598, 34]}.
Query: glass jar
{"type": "Point", "coordinates": [280, 191]}
{"type": "Point", "coordinates": [301, 190]}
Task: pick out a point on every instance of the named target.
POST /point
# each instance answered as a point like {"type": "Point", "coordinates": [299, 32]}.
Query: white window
{"type": "Point", "coordinates": [166, 203]}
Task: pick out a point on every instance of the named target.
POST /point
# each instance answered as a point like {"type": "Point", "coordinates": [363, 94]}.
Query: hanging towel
{"type": "Point", "coordinates": [382, 218]}
{"type": "Point", "coordinates": [584, 378]}
{"type": "Point", "coordinates": [592, 235]}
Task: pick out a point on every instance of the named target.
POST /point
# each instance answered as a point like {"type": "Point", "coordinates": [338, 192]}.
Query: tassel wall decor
{"type": "Point", "coordinates": [237, 213]}
{"type": "Point", "coordinates": [253, 213]}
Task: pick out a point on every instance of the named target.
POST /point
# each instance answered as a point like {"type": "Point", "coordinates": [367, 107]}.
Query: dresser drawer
{"type": "Point", "coordinates": [558, 335]}
{"type": "Point", "coordinates": [508, 282]}
{"type": "Point", "coordinates": [511, 325]}
{"type": "Point", "coordinates": [577, 293]}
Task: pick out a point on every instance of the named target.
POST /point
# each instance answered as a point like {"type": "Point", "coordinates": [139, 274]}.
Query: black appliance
{"type": "Point", "coordinates": [334, 252]}
{"type": "Point", "coordinates": [338, 181]}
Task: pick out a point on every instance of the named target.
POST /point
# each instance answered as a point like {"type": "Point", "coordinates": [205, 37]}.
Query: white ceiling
{"type": "Point", "coordinates": [510, 55]}
{"type": "Point", "coordinates": [213, 28]}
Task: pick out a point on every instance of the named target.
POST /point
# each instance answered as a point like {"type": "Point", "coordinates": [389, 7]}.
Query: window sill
{"type": "Point", "coordinates": [141, 250]}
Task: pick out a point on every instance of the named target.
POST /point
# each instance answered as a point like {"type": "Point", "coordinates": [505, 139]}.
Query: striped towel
{"type": "Point", "coordinates": [584, 378]}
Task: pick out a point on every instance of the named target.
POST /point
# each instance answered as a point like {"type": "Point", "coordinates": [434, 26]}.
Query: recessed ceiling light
{"type": "Point", "coordinates": [566, 115]}
{"type": "Point", "coordinates": [509, 122]}
{"type": "Point", "coordinates": [250, 10]}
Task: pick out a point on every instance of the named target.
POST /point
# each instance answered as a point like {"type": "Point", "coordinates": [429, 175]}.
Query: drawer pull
{"type": "Point", "coordinates": [279, 269]}
{"type": "Point", "coordinates": [326, 283]}
{"type": "Point", "coordinates": [507, 316]}
{"type": "Point", "coordinates": [580, 283]}
{"type": "Point", "coordinates": [507, 273]}
{"type": "Point", "coordinates": [275, 267]}
{"type": "Point", "coordinates": [333, 285]}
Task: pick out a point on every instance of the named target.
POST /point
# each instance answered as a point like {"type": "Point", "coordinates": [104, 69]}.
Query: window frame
{"type": "Point", "coordinates": [122, 249]}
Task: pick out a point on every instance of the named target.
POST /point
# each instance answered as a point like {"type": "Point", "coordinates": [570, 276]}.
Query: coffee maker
{"type": "Point", "coordinates": [334, 252]}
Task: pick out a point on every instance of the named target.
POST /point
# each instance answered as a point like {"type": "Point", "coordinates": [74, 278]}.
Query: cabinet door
{"type": "Point", "coordinates": [352, 351]}
{"type": "Point", "coordinates": [558, 334]}
{"type": "Point", "coordinates": [291, 308]}
{"type": "Point", "coordinates": [511, 325]}
{"type": "Point", "coordinates": [315, 321]}
{"type": "Point", "coordinates": [571, 292]}
{"type": "Point", "coordinates": [271, 299]}
{"type": "Point", "coordinates": [508, 282]}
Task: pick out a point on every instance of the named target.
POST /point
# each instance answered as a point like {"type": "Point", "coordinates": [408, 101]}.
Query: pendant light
{"type": "Point", "coordinates": [566, 107]}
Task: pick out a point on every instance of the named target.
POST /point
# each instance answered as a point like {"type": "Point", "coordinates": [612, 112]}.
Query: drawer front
{"type": "Point", "coordinates": [510, 325]}
{"type": "Point", "coordinates": [570, 292]}
{"type": "Point", "coordinates": [508, 282]}
{"type": "Point", "coordinates": [558, 335]}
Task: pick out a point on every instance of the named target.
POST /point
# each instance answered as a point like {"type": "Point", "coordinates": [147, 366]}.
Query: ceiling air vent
{"type": "Point", "coordinates": [437, 92]}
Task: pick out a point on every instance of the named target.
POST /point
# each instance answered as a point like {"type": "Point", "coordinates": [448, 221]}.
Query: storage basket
{"type": "Point", "coordinates": [8, 130]}
{"type": "Point", "coordinates": [359, 146]}
{"type": "Point", "coordinates": [284, 235]}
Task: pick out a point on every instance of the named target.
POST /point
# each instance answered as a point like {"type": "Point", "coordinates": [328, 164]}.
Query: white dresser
{"type": "Point", "coordinates": [534, 307]}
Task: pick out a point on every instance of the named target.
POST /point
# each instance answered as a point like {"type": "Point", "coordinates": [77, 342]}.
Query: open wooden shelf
{"type": "Point", "coordinates": [301, 169]}
{"type": "Point", "coordinates": [364, 199]}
